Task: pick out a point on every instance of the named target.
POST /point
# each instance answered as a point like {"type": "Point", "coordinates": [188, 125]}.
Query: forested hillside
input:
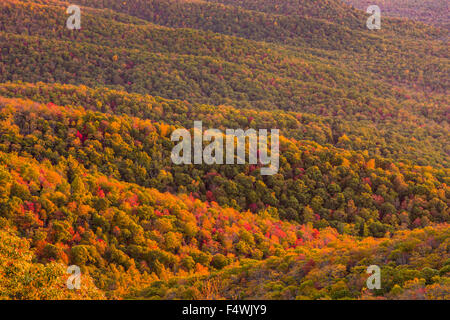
{"type": "Point", "coordinates": [334, 184]}
{"type": "Point", "coordinates": [214, 69]}
{"type": "Point", "coordinates": [329, 267]}
{"type": "Point", "coordinates": [86, 177]}
{"type": "Point", "coordinates": [128, 237]}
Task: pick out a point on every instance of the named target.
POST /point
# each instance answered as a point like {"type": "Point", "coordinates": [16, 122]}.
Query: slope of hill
{"type": "Point", "coordinates": [330, 267]}
{"type": "Point", "coordinates": [362, 51]}
{"type": "Point", "coordinates": [22, 278]}
{"type": "Point", "coordinates": [215, 69]}
{"type": "Point", "coordinates": [433, 12]}
{"type": "Point", "coordinates": [130, 238]}
{"type": "Point", "coordinates": [127, 236]}
{"type": "Point", "coordinates": [346, 33]}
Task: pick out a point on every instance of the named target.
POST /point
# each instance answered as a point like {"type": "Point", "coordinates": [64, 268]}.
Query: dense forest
{"type": "Point", "coordinates": [135, 241]}
{"type": "Point", "coordinates": [335, 184]}
{"type": "Point", "coordinates": [86, 178]}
